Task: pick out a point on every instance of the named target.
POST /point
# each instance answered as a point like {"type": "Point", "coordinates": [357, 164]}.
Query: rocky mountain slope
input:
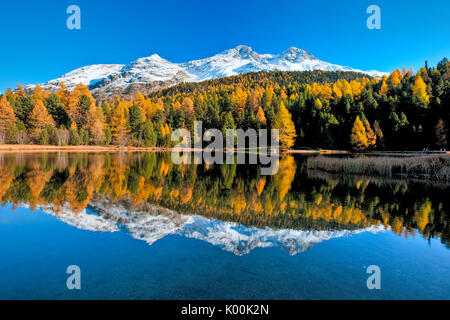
{"type": "Point", "coordinates": [152, 73]}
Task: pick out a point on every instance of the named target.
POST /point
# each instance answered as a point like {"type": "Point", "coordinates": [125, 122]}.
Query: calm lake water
{"type": "Point", "coordinates": [140, 227]}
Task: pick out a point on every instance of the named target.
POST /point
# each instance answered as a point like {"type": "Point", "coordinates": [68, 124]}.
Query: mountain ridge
{"type": "Point", "coordinates": [154, 72]}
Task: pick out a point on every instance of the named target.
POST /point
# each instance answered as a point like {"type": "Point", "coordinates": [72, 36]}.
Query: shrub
{"type": "Point", "coordinates": [44, 138]}
{"type": "Point", "coordinates": [108, 136]}
{"type": "Point", "coordinates": [84, 137]}
{"type": "Point", "coordinates": [74, 139]}
{"type": "Point", "coordinates": [52, 135]}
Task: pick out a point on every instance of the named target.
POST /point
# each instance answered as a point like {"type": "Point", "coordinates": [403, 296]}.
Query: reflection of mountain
{"type": "Point", "coordinates": [293, 199]}
{"type": "Point", "coordinates": [156, 223]}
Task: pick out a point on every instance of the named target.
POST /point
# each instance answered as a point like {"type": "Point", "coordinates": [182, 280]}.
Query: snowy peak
{"type": "Point", "coordinates": [294, 54]}
{"type": "Point", "coordinates": [152, 68]}
{"type": "Point", "coordinates": [148, 63]}
{"type": "Point", "coordinates": [153, 72]}
{"type": "Point", "coordinates": [240, 52]}
{"type": "Point", "coordinates": [88, 75]}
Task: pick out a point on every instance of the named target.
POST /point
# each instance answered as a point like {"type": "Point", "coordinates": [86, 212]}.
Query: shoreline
{"type": "Point", "coordinates": [88, 148]}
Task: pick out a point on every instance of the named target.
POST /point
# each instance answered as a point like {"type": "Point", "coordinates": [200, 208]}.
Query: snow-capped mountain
{"type": "Point", "coordinates": [243, 59]}
{"type": "Point", "coordinates": [88, 75]}
{"type": "Point", "coordinates": [153, 72]}
{"type": "Point", "coordinates": [154, 223]}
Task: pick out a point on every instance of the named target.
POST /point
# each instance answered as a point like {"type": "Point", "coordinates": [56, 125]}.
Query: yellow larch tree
{"type": "Point", "coordinates": [254, 101]}
{"type": "Point", "coordinates": [318, 104]}
{"type": "Point", "coordinates": [39, 119]}
{"type": "Point", "coordinates": [345, 87]}
{"type": "Point", "coordinates": [358, 137]}
{"type": "Point", "coordinates": [337, 93]}
{"type": "Point", "coordinates": [261, 117]}
{"type": "Point", "coordinates": [96, 125]}
{"type": "Point", "coordinates": [384, 87]}
{"type": "Point", "coordinates": [420, 90]}
{"type": "Point", "coordinates": [188, 107]}
{"type": "Point", "coordinates": [63, 94]}
{"type": "Point", "coordinates": [371, 136]}
{"type": "Point", "coordinates": [239, 99]}
{"type": "Point", "coordinates": [283, 122]}
{"type": "Point", "coordinates": [38, 93]}
{"type": "Point", "coordinates": [119, 128]}
{"type": "Point", "coordinates": [7, 117]}
{"type": "Point", "coordinates": [395, 78]}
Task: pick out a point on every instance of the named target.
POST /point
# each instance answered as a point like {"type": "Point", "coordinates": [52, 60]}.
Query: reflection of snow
{"type": "Point", "coordinates": [82, 220]}
{"type": "Point", "coordinates": [156, 223]}
{"type": "Point", "coordinates": [241, 239]}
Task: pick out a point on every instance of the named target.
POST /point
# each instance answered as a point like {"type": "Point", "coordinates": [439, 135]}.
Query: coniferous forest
{"type": "Point", "coordinates": [406, 110]}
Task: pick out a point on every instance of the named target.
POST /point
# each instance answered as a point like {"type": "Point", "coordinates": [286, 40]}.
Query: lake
{"type": "Point", "coordinates": [140, 227]}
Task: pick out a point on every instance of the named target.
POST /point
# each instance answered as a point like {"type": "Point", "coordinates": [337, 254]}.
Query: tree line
{"type": "Point", "coordinates": [317, 109]}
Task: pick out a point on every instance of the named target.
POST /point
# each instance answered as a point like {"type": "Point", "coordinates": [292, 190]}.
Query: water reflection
{"type": "Point", "coordinates": [230, 206]}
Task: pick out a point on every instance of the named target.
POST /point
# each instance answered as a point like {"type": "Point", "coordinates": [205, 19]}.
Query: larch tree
{"type": "Point", "coordinates": [7, 118]}
{"type": "Point", "coordinates": [188, 107]}
{"type": "Point", "coordinates": [283, 122]}
{"type": "Point", "coordinates": [39, 119]}
{"type": "Point", "coordinates": [371, 136]}
{"type": "Point", "coordinates": [420, 90]}
{"type": "Point", "coordinates": [148, 108]}
{"type": "Point", "coordinates": [38, 93]}
{"type": "Point", "coordinates": [395, 78]}
{"type": "Point", "coordinates": [96, 125]}
{"type": "Point", "coordinates": [261, 117]}
{"type": "Point", "coordinates": [239, 99]}
{"type": "Point", "coordinates": [358, 137]}
{"type": "Point", "coordinates": [253, 101]}
{"type": "Point", "coordinates": [318, 104]}
{"type": "Point", "coordinates": [119, 128]}
{"type": "Point", "coordinates": [337, 93]}
{"type": "Point", "coordinates": [384, 87]}
{"type": "Point", "coordinates": [63, 93]}
{"type": "Point", "coordinates": [20, 91]}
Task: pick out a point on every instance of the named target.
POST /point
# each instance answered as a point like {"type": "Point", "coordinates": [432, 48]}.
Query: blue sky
{"type": "Point", "coordinates": [37, 46]}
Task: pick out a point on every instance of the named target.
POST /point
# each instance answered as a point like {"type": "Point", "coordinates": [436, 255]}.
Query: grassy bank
{"type": "Point", "coordinates": [51, 148]}
{"type": "Point", "coordinates": [112, 148]}
{"type": "Point", "coordinates": [435, 167]}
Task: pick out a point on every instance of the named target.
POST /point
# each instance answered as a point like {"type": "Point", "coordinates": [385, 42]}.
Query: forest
{"type": "Point", "coordinates": [406, 110]}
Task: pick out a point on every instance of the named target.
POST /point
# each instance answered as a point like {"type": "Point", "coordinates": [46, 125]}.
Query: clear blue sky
{"type": "Point", "coordinates": [37, 46]}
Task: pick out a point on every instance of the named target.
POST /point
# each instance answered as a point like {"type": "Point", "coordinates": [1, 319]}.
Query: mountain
{"type": "Point", "coordinates": [243, 59]}
{"type": "Point", "coordinates": [88, 75]}
{"type": "Point", "coordinates": [152, 73]}
{"type": "Point", "coordinates": [153, 223]}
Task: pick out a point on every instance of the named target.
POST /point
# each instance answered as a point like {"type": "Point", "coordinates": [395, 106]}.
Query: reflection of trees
{"type": "Point", "coordinates": [293, 198]}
